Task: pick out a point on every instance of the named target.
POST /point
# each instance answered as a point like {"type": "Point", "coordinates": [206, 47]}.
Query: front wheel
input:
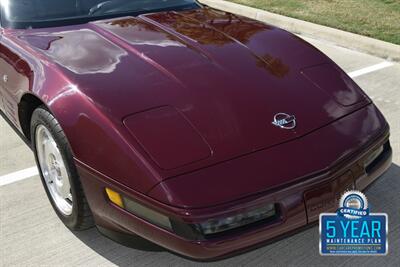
{"type": "Point", "coordinates": [58, 172]}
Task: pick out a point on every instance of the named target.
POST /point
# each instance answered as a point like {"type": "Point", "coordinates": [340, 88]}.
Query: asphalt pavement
{"type": "Point", "coordinates": [31, 234]}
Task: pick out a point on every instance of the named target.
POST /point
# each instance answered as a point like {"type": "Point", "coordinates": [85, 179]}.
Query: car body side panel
{"type": "Point", "coordinates": [14, 80]}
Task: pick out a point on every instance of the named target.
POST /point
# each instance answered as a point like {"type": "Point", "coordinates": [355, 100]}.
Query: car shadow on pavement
{"type": "Point", "coordinates": [294, 249]}
{"type": "Point", "coordinates": [132, 241]}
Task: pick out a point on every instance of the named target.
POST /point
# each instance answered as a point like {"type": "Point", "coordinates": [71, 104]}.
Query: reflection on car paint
{"type": "Point", "coordinates": [72, 50]}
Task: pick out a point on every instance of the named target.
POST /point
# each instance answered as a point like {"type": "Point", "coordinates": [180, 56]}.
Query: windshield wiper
{"type": "Point", "coordinates": [97, 7]}
{"type": "Point", "coordinates": [94, 10]}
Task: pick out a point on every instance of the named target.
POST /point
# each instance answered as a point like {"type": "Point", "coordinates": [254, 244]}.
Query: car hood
{"type": "Point", "coordinates": [217, 79]}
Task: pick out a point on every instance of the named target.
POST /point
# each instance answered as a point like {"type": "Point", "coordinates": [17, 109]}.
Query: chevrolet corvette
{"type": "Point", "coordinates": [202, 131]}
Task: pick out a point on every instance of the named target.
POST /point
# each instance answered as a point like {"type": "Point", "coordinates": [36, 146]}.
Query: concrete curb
{"type": "Point", "coordinates": [346, 39]}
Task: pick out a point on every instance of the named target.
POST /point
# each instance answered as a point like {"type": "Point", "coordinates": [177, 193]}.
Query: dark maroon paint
{"type": "Point", "coordinates": [175, 110]}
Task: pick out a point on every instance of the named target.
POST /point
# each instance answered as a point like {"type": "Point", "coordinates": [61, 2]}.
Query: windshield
{"type": "Point", "coordinates": [50, 13]}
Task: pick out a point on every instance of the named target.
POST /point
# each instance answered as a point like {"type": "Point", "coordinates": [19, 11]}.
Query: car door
{"type": "Point", "coordinates": [1, 85]}
{"type": "Point", "coordinates": [13, 79]}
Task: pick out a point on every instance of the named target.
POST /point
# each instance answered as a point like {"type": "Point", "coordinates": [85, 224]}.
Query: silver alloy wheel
{"type": "Point", "coordinates": [53, 169]}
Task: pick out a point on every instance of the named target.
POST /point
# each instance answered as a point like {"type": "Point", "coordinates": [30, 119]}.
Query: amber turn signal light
{"type": "Point", "coordinates": [114, 197]}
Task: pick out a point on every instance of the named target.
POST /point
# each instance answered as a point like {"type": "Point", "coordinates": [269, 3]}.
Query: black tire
{"type": "Point", "coordinates": [81, 217]}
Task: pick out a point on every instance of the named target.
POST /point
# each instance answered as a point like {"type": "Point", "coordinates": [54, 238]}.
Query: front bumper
{"type": "Point", "coordinates": [299, 204]}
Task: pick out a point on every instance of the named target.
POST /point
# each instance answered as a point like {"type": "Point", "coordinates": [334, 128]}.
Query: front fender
{"type": "Point", "coordinates": [99, 141]}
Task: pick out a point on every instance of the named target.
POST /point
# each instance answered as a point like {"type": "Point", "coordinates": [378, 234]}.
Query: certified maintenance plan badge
{"type": "Point", "coordinates": [352, 230]}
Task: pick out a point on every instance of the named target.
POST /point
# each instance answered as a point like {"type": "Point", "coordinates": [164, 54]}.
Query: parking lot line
{"type": "Point", "coordinates": [369, 69]}
{"type": "Point", "coordinates": [18, 176]}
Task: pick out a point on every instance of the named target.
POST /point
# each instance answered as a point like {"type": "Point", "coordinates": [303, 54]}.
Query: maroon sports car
{"type": "Point", "coordinates": [202, 131]}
